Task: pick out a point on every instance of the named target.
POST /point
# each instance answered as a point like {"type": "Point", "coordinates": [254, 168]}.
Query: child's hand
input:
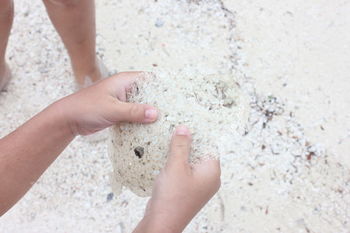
{"type": "Point", "coordinates": [180, 190]}
{"type": "Point", "coordinates": [29, 150]}
{"type": "Point", "coordinates": [103, 104]}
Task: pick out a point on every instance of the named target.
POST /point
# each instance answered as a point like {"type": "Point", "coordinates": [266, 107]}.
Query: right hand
{"type": "Point", "coordinates": [180, 190]}
{"type": "Point", "coordinates": [104, 104]}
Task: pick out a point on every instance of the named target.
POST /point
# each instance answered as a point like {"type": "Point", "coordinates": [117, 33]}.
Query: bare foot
{"type": "Point", "coordinates": [85, 79]}
{"type": "Point", "coordinates": [5, 76]}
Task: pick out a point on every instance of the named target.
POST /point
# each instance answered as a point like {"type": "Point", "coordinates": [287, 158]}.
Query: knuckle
{"type": "Point", "coordinates": [134, 111]}
{"type": "Point", "coordinates": [217, 181]}
{"type": "Point", "coordinates": [213, 173]}
{"type": "Point", "coordinates": [217, 185]}
{"type": "Point", "coordinates": [214, 182]}
{"type": "Point", "coordinates": [181, 145]}
{"type": "Point", "coordinates": [216, 174]}
{"type": "Point", "coordinates": [180, 148]}
{"type": "Point", "coordinates": [213, 177]}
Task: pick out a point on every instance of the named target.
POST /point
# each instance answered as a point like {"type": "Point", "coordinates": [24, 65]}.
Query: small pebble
{"type": "Point", "coordinates": [110, 196]}
{"type": "Point", "coordinates": [159, 23]}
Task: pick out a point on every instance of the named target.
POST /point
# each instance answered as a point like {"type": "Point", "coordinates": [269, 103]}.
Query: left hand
{"type": "Point", "coordinates": [104, 104]}
{"type": "Point", "coordinates": [180, 190]}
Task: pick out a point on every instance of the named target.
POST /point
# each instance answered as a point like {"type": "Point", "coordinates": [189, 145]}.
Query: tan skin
{"type": "Point", "coordinates": [74, 21]}
{"type": "Point", "coordinates": [180, 190]}
{"type": "Point", "coordinates": [6, 20]}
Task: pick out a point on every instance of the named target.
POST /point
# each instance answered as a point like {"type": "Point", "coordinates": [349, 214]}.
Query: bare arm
{"type": "Point", "coordinates": [28, 151]}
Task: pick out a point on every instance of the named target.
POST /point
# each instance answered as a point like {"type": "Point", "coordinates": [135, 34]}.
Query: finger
{"type": "Point", "coordinates": [180, 148]}
{"type": "Point", "coordinates": [119, 83]}
{"type": "Point", "coordinates": [126, 79]}
{"type": "Point", "coordinates": [140, 113]}
{"type": "Point", "coordinates": [125, 82]}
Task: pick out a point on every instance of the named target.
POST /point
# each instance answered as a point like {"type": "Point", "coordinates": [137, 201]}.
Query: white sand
{"type": "Point", "coordinates": [286, 176]}
{"type": "Point", "coordinates": [300, 51]}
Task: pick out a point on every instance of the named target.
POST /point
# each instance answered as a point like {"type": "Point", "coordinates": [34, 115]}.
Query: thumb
{"type": "Point", "coordinates": [180, 148]}
{"type": "Point", "coordinates": [140, 113]}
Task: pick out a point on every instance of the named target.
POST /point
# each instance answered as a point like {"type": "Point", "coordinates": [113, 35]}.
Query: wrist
{"type": "Point", "coordinates": [63, 117]}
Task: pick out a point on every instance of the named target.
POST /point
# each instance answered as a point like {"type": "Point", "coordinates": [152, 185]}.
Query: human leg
{"type": "Point", "coordinates": [6, 19]}
{"type": "Point", "coordinates": [74, 21]}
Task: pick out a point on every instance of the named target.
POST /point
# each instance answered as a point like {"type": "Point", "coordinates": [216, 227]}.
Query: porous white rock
{"type": "Point", "coordinates": [211, 106]}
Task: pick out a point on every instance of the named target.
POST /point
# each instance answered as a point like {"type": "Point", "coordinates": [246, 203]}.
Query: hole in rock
{"type": "Point", "coordinates": [139, 151]}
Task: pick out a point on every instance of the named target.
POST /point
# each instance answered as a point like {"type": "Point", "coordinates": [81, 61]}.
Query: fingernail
{"type": "Point", "coordinates": [151, 114]}
{"type": "Point", "coordinates": [182, 131]}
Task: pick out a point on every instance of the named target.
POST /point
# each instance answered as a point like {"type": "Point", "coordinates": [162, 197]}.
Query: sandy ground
{"type": "Point", "coordinates": [290, 172]}
{"type": "Point", "coordinates": [300, 52]}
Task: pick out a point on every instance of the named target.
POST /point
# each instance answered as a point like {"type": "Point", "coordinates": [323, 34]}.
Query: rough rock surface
{"type": "Point", "coordinates": [212, 106]}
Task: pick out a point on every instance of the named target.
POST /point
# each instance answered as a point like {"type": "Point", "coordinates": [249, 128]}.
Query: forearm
{"type": "Point", "coordinates": [27, 152]}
